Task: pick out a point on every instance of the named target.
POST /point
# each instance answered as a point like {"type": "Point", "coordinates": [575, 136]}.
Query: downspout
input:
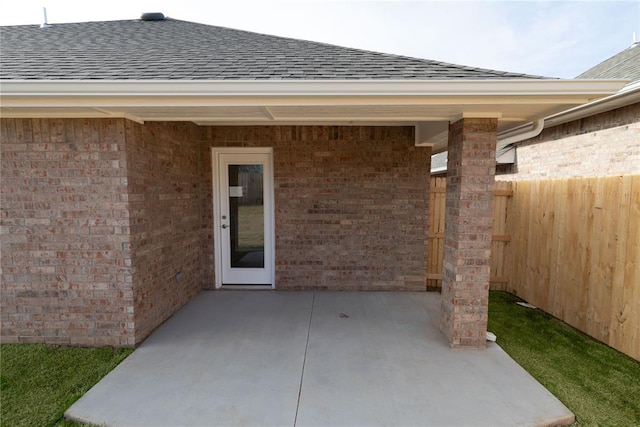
{"type": "Point", "coordinates": [518, 135]}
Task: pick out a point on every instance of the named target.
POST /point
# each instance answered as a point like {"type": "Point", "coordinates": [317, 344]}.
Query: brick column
{"type": "Point", "coordinates": [468, 230]}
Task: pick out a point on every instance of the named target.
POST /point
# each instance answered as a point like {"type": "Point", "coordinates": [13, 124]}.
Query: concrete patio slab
{"type": "Point", "coordinates": [225, 359]}
{"type": "Point", "coordinates": [264, 358]}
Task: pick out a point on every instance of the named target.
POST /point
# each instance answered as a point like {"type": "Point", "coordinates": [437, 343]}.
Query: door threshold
{"type": "Point", "coordinates": [246, 287]}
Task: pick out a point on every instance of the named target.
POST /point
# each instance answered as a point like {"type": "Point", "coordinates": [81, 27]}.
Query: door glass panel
{"type": "Point", "coordinates": [246, 216]}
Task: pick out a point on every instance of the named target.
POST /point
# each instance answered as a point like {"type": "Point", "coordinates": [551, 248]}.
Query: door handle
{"type": "Point", "coordinates": [225, 226]}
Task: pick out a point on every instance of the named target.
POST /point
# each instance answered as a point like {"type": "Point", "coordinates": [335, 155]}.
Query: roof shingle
{"type": "Point", "coordinates": [623, 65]}
{"type": "Point", "coordinates": [178, 50]}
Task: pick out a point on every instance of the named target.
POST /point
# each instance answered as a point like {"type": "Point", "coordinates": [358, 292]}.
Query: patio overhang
{"type": "Point", "coordinates": [463, 116]}
{"type": "Point", "coordinates": [429, 105]}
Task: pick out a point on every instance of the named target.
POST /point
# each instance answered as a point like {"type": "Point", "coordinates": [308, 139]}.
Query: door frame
{"type": "Point", "coordinates": [269, 226]}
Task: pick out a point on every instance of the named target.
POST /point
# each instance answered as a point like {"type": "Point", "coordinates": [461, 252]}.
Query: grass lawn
{"type": "Point", "coordinates": [251, 227]}
{"type": "Point", "coordinates": [597, 383]}
{"type": "Point", "coordinates": [38, 383]}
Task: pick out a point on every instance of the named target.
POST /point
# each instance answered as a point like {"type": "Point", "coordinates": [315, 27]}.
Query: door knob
{"type": "Point", "coordinates": [224, 226]}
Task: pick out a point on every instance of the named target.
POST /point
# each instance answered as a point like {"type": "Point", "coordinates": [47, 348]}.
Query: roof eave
{"type": "Point", "coordinates": [76, 89]}
{"type": "Point", "coordinates": [630, 94]}
{"type": "Point", "coordinates": [428, 104]}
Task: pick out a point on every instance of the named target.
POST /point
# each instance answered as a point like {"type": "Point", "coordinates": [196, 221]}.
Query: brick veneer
{"type": "Point", "coordinates": [468, 230]}
{"type": "Point", "coordinates": [351, 204]}
{"type": "Point", "coordinates": [99, 217]}
{"type": "Point", "coordinates": [601, 145]}
{"type": "Point", "coordinates": [165, 192]}
{"type": "Point", "coordinates": [65, 239]}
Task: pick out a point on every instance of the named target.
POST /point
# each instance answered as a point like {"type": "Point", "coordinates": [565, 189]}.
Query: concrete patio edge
{"type": "Point", "coordinates": [314, 358]}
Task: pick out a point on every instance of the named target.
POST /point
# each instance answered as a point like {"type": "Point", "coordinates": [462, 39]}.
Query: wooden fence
{"type": "Point", "coordinates": [569, 246]}
{"type": "Point", "coordinates": [251, 183]}
{"type": "Point", "coordinates": [575, 253]}
{"type": "Point", "coordinates": [436, 233]}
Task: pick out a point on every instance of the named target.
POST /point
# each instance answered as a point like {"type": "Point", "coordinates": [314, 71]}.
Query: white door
{"type": "Point", "coordinates": [243, 216]}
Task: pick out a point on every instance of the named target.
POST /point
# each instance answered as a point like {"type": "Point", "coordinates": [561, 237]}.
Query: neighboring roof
{"type": "Point", "coordinates": [623, 65]}
{"type": "Point", "coordinates": [439, 162]}
{"type": "Point", "coordinates": [170, 49]}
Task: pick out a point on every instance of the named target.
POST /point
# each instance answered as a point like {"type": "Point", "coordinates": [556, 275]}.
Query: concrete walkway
{"type": "Point", "coordinates": [265, 358]}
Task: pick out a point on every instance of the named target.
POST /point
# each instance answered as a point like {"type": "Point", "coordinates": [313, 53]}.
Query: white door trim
{"type": "Point", "coordinates": [217, 214]}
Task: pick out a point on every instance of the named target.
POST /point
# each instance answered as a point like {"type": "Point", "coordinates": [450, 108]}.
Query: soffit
{"type": "Point", "coordinates": [513, 102]}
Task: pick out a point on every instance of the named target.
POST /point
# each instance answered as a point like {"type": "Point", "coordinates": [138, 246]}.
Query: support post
{"type": "Point", "coordinates": [468, 231]}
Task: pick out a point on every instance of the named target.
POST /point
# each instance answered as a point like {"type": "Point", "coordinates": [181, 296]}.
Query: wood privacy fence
{"type": "Point", "coordinates": [569, 246]}
{"type": "Point", "coordinates": [576, 254]}
{"type": "Point", "coordinates": [437, 194]}
{"type": "Point", "coordinates": [251, 183]}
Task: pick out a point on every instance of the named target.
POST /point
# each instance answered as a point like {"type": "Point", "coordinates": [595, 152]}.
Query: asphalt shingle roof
{"type": "Point", "coordinates": [178, 50]}
{"type": "Point", "coordinates": [623, 65]}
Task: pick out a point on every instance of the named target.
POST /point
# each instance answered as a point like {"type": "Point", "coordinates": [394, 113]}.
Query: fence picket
{"type": "Point", "coordinates": [570, 246]}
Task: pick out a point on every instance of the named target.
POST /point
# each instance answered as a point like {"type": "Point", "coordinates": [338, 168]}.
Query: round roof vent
{"type": "Point", "coordinates": [152, 16]}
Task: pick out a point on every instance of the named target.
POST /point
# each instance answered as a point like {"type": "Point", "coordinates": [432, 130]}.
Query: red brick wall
{"type": "Point", "coordinates": [65, 255]}
{"type": "Point", "coordinates": [164, 171]}
{"type": "Point", "coordinates": [351, 205]}
{"type": "Point", "coordinates": [601, 145]}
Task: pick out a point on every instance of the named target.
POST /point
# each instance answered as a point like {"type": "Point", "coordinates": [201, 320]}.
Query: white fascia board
{"type": "Point", "coordinates": [166, 91]}
{"type": "Point", "coordinates": [625, 97]}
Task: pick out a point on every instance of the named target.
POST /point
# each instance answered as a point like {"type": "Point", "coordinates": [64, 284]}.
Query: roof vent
{"type": "Point", "coordinates": [152, 16]}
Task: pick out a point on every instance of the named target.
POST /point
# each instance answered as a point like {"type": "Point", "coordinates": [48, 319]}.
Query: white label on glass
{"type": "Point", "coordinates": [235, 191]}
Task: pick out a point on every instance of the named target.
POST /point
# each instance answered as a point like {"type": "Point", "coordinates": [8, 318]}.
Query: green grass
{"type": "Point", "coordinates": [251, 227]}
{"type": "Point", "coordinates": [38, 383]}
{"type": "Point", "coordinates": [600, 385]}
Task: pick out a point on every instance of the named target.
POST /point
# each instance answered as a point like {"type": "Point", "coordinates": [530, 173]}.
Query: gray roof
{"type": "Point", "coordinates": [623, 65]}
{"type": "Point", "coordinates": [170, 49]}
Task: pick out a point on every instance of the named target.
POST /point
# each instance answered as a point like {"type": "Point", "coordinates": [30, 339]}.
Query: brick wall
{"type": "Point", "coordinates": [107, 227]}
{"type": "Point", "coordinates": [601, 145]}
{"type": "Point", "coordinates": [468, 230]}
{"type": "Point", "coordinates": [65, 256]}
{"type": "Point", "coordinates": [165, 183]}
{"type": "Point", "coordinates": [351, 205]}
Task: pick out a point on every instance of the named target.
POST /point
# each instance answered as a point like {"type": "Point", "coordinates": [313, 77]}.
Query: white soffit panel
{"type": "Point", "coordinates": [401, 102]}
